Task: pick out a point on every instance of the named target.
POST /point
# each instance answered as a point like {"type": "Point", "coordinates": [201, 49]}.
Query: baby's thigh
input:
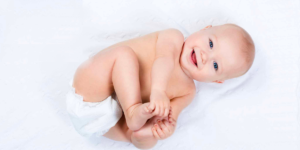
{"type": "Point", "coordinates": [93, 78]}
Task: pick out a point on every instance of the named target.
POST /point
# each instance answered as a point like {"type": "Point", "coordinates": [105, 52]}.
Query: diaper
{"type": "Point", "coordinates": [92, 118]}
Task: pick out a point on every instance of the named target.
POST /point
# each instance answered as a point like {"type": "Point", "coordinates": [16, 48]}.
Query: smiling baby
{"type": "Point", "coordinates": [134, 90]}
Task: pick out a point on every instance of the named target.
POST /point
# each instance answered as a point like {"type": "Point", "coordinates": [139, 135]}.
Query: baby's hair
{"type": "Point", "coordinates": [248, 47]}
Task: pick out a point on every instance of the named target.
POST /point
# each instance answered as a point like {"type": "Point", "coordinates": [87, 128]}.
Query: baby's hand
{"type": "Point", "coordinates": [164, 129]}
{"type": "Point", "coordinates": [159, 103]}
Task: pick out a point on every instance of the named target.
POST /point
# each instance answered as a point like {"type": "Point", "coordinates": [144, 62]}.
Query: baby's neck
{"type": "Point", "coordinates": [180, 73]}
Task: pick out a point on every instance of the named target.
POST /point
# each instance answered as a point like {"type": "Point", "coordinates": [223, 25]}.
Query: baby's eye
{"type": "Point", "coordinates": [215, 66]}
{"type": "Point", "coordinates": [211, 45]}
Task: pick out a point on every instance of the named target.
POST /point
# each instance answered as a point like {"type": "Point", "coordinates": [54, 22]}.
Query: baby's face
{"type": "Point", "coordinates": [218, 54]}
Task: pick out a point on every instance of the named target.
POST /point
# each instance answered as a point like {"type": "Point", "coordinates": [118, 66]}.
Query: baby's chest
{"type": "Point", "coordinates": [145, 49]}
{"type": "Point", "coordinates": [175, 87]}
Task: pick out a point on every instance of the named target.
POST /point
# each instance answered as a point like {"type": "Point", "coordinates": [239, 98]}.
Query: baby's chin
{"type": "Point", "coordinates": [203, 80]}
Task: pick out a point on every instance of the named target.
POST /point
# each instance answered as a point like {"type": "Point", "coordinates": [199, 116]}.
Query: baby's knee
{"type": "Point", "coordinates": [126, 52]}
{"type": "Point", "coordinates": [142, 140]}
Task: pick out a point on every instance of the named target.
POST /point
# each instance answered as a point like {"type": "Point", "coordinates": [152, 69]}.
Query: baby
{"type": "Point", "coordinates": [150, 80]}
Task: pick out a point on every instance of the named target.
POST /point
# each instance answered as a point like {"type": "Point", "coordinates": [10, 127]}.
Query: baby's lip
{"type": "Point", "coordinates": [191, 56]}
{"type": "Point", "coordinates": [199, 60]}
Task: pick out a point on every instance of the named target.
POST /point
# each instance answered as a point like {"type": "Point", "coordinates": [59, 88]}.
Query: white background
{"type": "Point", "coordinates": [43, 42]}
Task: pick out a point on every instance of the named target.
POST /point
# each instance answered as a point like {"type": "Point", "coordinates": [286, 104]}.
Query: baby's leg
{"type": "Point", "coordinates": [125, 78]}
{"type": "Point", "coordinates": [119, 132]}
{"type": "Point", "coordinates": [143, 138]}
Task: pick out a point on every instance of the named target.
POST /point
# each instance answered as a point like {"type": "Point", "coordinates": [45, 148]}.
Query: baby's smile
{"type": "Point", "coordinates": [218, 53]}
{"type": "Point", "coordinates": [193, 57]}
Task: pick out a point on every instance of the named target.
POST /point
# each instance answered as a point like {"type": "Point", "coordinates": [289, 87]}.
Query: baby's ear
{"type": "Point", "coordinates": [218, 81]}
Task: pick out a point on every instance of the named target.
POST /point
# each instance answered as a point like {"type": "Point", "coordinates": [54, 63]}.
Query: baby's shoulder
{"type": "Point", "coordinates": [171, 35]}
{"type": "Point", "coordinates": [150, 40]}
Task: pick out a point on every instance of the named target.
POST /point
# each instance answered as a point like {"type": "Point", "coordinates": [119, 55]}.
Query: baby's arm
{"type": "Point", "coordinates": [168, 48]}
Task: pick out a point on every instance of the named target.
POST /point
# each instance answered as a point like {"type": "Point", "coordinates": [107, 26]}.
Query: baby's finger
{"type": "Point", "coordinates": [156, 110]}
{"type": "Point", "coordinates": [173, 122]}
{"type": "Point", "coordinates": [151, 107]}
{"type": "Point", "coordinates": [161, 112]}
{"type": "Point", "coordinates": [155, 134]}
{"type": "Point", "coordinates": [166, 112]}
{"type": "Point", "coordinates": [165, 126]}
{"type": "Point", "coordinates": [147, 108]}
{"type": "Point", "coordinates": [169, 116]}
{"type": "Point", "coordinates": [159, 131]}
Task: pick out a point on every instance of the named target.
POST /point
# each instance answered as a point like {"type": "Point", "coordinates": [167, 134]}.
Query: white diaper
{"type": "Point", "coordinates": [92, 118]}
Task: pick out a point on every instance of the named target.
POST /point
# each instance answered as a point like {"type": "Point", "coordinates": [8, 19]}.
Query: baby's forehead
{"type": "Point", "coordinates": [231, 37]}
{"type": "Point", "coordinates": [235, 43]}
{"type": "Point", "coordinates": [228, 31]}
{"type": "Point", "coordinates": [230, 44]}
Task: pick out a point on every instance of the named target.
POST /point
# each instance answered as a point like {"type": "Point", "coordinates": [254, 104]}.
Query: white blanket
{"type": "Point", "coordinates": [43, 42]}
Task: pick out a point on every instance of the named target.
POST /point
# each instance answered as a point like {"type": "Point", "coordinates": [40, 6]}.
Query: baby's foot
{"type": "Point", "coordinates": [157, 118]}
{"type": "Point", "coordinates": [146, 113]}
{"type": "Point", "coordinates": [140, 115]}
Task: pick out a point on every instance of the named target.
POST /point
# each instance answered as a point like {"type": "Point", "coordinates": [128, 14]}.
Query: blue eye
{"type": "Point", "coordinates": [211, 45]}
{"type": "Point", "coordinates": [215, 66]}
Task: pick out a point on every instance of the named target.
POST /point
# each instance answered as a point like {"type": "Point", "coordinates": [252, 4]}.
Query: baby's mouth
{"type": "Point", "coordinates": [193, 56]}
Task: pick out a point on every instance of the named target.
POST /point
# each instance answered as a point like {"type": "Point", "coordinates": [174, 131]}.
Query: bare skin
{"type": "Point", "coordinates": [125, 69]}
